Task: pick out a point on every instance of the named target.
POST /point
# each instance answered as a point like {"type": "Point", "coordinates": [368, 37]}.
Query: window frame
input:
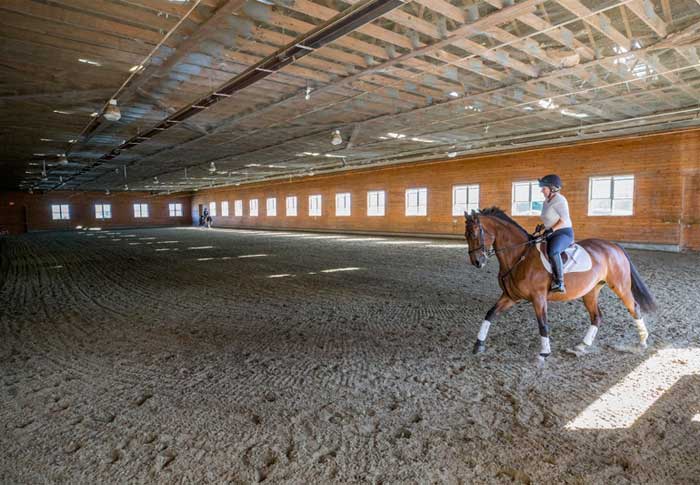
{"type": "Point", "coordinates": [63, 212]}
{"type": "Point", "coordinates": [418, 212]}
{"type": "Point", "coordinates": [611, 197]}
{"type": "Point", "coordinates": [141, 214]}
{"type": "Point", "coordinates": [379, 210]}
{"type": "Point", "coordinates": [253, 207]}
{"type": "Point", "coordinates": [224, 208]}
{"type": "Point", "coordinates": [272, 213]}
{"type": "Point", "coordinates": [295, 208]}
{"type": "Point", "coordinates": [175, 209]}
{"type": "Point", "coordinates": [531, 211]}
{"type": "Point", "coordinates": [345, 211]}
{"type": "Point", "coordinates": [459, 211]}
{"type": "Point", "coordinates": [212, 208]}
{"type": "Point", "coordinates": [103, 214]}
{"type": "Point", "coordinates": [316, 211]}
{"type": "Point", "coordinates": [238, 208]}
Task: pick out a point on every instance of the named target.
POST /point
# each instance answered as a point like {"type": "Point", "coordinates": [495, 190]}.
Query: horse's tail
{"type": "Point", "coordinates": [642, 294]}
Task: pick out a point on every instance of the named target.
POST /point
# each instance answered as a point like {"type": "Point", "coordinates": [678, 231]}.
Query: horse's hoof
{"type": "Point", "coordinates": [542, 360]}
{"type": "Point", "coordinates": [643, 345]}
{"type": "Point", "coordinates": [479, 347]}
{"type": "Point", "coordinates": [581, 348]}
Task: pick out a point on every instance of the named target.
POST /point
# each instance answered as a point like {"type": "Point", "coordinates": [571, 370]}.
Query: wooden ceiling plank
{"type": "Point", "coordinates": [649, 17]}
{"type": "Point", "coordinates": [79, 20]}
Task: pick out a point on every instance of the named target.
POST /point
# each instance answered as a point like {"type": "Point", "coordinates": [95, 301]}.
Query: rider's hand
{"type": "Point", "coordinates": [549, 231]}
{"type": "Point", "coordinates": [539, 228]}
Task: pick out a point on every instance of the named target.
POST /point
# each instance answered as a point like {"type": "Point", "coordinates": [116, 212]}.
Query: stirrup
{"type": "Point", "coordinates": [557, 287]}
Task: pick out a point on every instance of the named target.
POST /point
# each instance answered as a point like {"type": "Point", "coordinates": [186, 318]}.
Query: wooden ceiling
{"type": "Point", "coordinates": [427, 79]}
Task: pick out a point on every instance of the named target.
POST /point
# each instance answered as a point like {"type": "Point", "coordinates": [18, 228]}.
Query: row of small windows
{"type": "Point", "coordinates": [104, 211]}
{"type": "Point", "coordinates": [607, 196]}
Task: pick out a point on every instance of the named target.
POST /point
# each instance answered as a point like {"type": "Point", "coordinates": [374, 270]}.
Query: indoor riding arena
{"type": "Point", "coordinates": [350, 241]}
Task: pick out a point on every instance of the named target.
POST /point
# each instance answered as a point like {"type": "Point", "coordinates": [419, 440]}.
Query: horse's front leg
{"type": "Point", "coordinates": [503, 304]}
{"type": "Point", "coordinates": [540, 306]}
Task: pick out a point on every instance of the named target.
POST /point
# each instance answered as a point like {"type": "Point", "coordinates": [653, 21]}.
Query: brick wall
{"type": "Point", "coordinates": [666, 200]}
{"type": "Point", "coordinates": [20, 211]}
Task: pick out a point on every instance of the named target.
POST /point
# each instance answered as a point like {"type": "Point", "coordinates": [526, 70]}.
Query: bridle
{"type": "Point", "coordinates": [488, 253]}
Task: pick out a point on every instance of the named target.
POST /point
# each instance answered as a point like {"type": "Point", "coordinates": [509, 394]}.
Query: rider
{"type": "Point", "coordinates": [558, 228]}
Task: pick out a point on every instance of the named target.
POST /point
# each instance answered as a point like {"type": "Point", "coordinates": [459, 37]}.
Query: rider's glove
{"type": "Point", "coordinates": [548, 232]}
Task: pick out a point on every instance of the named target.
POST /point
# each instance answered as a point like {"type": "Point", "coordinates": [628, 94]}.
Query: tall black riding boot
{"type": "Point", "coordinates": [558, 275]}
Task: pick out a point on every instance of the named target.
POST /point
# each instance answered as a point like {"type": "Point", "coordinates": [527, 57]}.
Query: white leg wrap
{"type": "Point", "coordinates": [484, 330]}
{"type": "Point", "coordinates": [642, 329]}
{"type": "Point", "coordinates": [545, 345]}
{"type": "Point", "coordinates": [590, 335]}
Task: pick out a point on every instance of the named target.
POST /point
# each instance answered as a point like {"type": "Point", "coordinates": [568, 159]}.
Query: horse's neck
{"type": "Point", "coordinates": [506, 235]}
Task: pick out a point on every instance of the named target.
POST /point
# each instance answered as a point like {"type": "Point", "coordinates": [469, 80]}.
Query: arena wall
{"type": "Point", "coordinates": [666, 168]}
{"type": "Point", "coordinates": [22, 212]}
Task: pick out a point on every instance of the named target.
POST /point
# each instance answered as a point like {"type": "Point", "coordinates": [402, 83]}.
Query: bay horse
{"type": "Point", "coordinates": [522, 276]}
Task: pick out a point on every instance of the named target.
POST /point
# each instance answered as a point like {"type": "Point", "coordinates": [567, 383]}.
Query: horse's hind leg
{"type": "Point", "coordinates": [503, 304]}
{"type": "Point", "coordinates": [590, 300]}
{"type": "Point", "coordinates": [624, 292]}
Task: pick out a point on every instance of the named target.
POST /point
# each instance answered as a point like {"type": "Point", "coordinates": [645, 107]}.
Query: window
{"type": "Point", "coordinates": [140, 210]}
{"type": "Point", "coordinates": [60, 211]}
{"type": "Point", "coordinates": [224, 208]}
{"type": "Point", "coordinates": [342, 204]}
{"type": "Point", "coordinates": [175, 210]}
{"type": "Point", "coordinates": [253, 206]}
{"type": "Point", "coordinates": [103, 211]}
{"type": "Point", "coordinates": [238, 208]}
{"type": "Point", "coordinates": [464, 198]}
{"type": "Point", "coordinates": [417, 202]}
{"type": "Point", "coordinates": [314, 205]}
{"type": "Point", "coordinates": [212, 209]}
{"type": "Point", "coordinates": [527, 199]}
{"type": "Point", "coordinates": [292, 205]}
{"type": "Point", "coordinates": [611, 196]}
{"type": "Point", "coordinates": [375, 202]}
{"type": "Point", "coordinates": [271, 206]}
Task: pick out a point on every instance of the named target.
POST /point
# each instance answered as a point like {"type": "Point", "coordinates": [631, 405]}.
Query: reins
{"type": "Point", "coordinates": [488, 253]}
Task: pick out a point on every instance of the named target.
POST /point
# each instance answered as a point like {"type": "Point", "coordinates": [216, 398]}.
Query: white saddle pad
{"type": "Point", "coordinates": [578, 259]}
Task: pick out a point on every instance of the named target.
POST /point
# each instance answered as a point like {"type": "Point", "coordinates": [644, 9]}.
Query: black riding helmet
{"type": "Point", "coordinates": [552, 181]}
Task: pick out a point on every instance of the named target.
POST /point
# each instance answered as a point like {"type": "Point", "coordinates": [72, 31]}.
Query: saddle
{"type": "Point", "coordinates": [575, 259]}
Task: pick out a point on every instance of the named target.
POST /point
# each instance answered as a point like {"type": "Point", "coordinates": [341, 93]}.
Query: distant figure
{"type": "Point", "coordinates": [208, 221]}
{"type": "Point", "coordinates": [203, 217]}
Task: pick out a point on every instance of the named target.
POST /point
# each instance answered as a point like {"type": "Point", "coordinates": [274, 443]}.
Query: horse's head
{"type": "Point", "coordinates": [478, 239]}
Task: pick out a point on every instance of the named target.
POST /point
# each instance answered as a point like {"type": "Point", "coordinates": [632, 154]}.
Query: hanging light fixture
{"type": "Point", "coordinates": [62, 159]}
{"type": "Point", "coordinates": [307, 96]}
{"type": "Point", "coordinates": [212, 167]}
{"type": "Point", "coordinates": [44, 174]}
{"type": "Point", "coordinates": [126, 187]}
{"type": "Point", "coordinates": [112, 112]}
{"type": "Point", "coordinates": [155, 180]}
{"type": "Point", "coordinates": [336, 139]}
{"type": "Point", "coordinates": [31, 190]}
{"type": "Point", "coordinates": [107, 192]}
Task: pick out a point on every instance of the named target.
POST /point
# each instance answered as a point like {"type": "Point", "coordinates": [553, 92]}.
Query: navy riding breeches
{"type": "Point", "coordinates": [559, 240]}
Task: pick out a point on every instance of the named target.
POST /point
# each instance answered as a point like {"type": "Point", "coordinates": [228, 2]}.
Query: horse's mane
{"type": "Point", "coordinates": [498, 213]}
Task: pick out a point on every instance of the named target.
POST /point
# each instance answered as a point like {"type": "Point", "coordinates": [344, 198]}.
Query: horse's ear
{"type": "Point", "coordinates": [466, 215]}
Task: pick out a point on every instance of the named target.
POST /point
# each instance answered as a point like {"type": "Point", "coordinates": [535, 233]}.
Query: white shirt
{"type": "Point", "coordinates": [555, 209]}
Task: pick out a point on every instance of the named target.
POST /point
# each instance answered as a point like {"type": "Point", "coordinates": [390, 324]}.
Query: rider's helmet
{"type": "Point", "coordinates": [552, 181]}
